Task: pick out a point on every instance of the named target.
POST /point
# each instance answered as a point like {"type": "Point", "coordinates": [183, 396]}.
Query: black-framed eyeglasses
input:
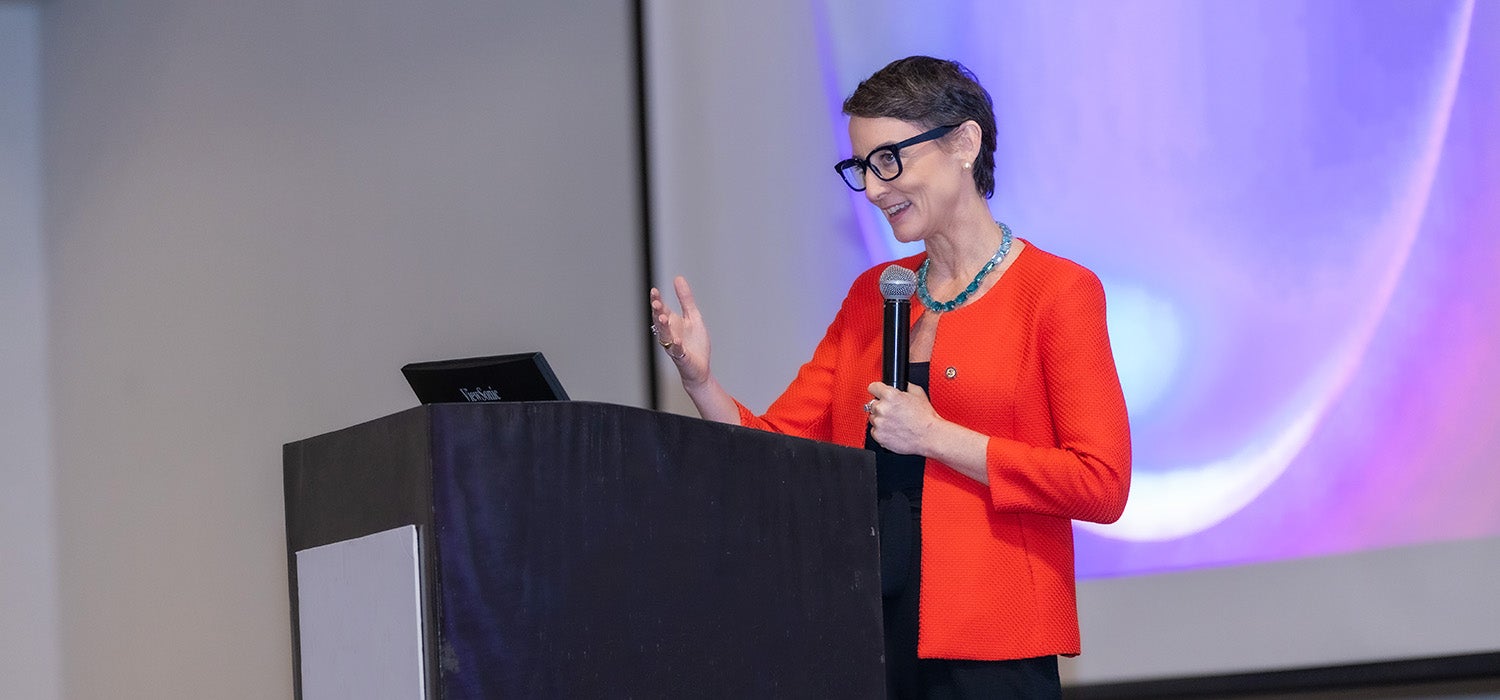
{"type": "Point", "coordinates": [885, 161]}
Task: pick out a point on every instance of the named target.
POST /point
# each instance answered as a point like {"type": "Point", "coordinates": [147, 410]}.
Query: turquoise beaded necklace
{"type": "Point", "coordinates": [933, 305]}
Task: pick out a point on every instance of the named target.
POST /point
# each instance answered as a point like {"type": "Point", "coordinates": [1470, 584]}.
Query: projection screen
{"type": "Point", "coordinates": [1292, 207]}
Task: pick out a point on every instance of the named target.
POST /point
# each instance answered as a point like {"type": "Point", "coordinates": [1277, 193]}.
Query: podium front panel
{"type": "Point", "coordinates": [589, 550]}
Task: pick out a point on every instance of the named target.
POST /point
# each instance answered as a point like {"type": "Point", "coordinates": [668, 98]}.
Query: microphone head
{"type": "Point", "coordinates": [897, 283]}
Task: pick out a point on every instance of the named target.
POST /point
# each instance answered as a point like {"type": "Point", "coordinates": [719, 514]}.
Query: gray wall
{"type": "Point", "coordinates": [255, 213]}
{"type": "Point", "coordinates": [28, 623]}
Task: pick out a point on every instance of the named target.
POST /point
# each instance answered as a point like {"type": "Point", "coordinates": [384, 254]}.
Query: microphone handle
{"type": "Point", "coordinates": [897, 343]}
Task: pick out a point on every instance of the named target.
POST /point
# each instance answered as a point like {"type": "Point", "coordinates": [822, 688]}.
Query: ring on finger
{"type": "Point", "coordinates": [870, 406]}
{"type": "Point", "coordinates": [665, 344]}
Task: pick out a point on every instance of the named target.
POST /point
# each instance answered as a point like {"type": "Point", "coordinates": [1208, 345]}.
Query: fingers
{"type": "Point", "coordinates": [899, 404]}
{"type": "Point", "coordinates": [684, 299]}
{"type": "Point", "coordinates": [661, 316]}
{"type": "Point", "coordinates": [673, 329]}
{"type": "Point", "coordinates": [658, 309]}
{"type": "Point", "coordinates": [685, 296]}
{"type": "Point", "coordinates": [881, 390]}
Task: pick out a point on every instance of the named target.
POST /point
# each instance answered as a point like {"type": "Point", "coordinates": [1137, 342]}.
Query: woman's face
{"type": "Point", "coordinates": [922, 199]}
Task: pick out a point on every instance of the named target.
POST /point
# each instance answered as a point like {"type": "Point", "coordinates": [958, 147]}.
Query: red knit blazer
{"type": "Point", "coordinates": [1029, 365]}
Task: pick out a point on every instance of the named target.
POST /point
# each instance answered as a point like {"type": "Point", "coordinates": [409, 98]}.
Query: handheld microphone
{"type": "Point", "coordinates": [897, 284]}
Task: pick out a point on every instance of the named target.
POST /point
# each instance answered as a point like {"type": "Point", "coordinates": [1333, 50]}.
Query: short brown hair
{"type": "Point", "coordinates": [931, 92]}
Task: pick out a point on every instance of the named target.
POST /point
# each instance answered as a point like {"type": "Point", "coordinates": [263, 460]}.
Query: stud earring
{"type": "Point", "coordinates": [967, 166]}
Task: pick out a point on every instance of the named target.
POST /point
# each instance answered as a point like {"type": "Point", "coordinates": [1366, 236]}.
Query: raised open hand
{"type": "Point", "coordinates": [683, 336]}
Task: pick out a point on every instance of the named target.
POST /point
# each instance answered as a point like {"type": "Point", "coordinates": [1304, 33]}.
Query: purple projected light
{"type": "Point", "coordinates": [1282, 200]}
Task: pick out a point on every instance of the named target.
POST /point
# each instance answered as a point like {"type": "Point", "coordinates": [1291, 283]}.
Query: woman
{"type": "Point", "coordinates": [1014, 423]}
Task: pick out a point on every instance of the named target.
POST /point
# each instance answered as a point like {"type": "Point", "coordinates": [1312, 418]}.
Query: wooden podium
{"type": "Point", "coordinates": [583, 550]}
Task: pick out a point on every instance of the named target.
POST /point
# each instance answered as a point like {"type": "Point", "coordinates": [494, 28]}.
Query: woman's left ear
{"type": "Point", "coordinates": [969, 137]}
{"type": "Point", "coordinates": [972, 135]}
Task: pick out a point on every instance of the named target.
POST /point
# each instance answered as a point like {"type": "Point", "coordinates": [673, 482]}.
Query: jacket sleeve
{"type": "Point", "coordinates": [805, 408]}
{"type": "Point", "coordinates": [1086, 475]}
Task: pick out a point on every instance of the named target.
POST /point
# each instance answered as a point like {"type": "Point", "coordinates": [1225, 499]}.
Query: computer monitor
{"type": "Point", "coordinates": [519, 377]}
